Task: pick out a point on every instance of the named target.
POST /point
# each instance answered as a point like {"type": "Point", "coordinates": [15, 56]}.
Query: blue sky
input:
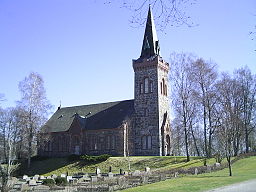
{"type": "Point", "coordinates": [84, 48]}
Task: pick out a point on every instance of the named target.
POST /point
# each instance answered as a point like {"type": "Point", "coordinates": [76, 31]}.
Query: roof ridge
{"type": "Point", "coordinates": [96, 104]}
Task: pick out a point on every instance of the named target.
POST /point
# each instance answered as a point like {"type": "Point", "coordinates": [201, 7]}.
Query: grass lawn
{"type": "Point", "coordinates": [243, 170]}
{"type": "Point", "coordinates": [63, 165]}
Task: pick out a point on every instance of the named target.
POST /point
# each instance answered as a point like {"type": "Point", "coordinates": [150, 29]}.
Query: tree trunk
{"type": "Point", "coordinates": [185, 129]}
{"type": "Point", "coordinates": [194, 139]}
{"type": "Point", "coordinates": [205, 134]}
{"type": "Point", "coordinates": [229, 165]}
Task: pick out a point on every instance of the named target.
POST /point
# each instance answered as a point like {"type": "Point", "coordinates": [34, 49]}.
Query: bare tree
{"type": "Point", "coordinates": [229, 132]}
{"type": "Point", "coordinates": [169, 12]}
{"type": "Point", "coordinates": [247, 83]}
{"type": "Point", "coordinates": [35, 105]}
{"type": "Point", "coordinates": [9, 131]}
{"type": "Point", "coordinates": [204, 74]}
{"type": "Point", "coordinates": [184, 104]}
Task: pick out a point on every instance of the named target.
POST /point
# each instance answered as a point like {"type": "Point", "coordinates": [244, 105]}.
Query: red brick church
{"type": "Point", "coordinates": [132, 127]}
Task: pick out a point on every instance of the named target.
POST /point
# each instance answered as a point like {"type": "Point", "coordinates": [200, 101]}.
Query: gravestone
{"type": "Point", "coordinates": [147, 169]}
{"type": "Point", "coordinates": [54, 176]}
{"type": "Point", "coordinates": [208, 168]}
{"type": "Point", "coordinates": [176, 174]}
{"type": "Point", "coordinates": [63, 175]}
{"type": "Point", "coordinates": [94, 179]}
{"type": "Point", "coordinates": [48, 177]}
{"type": "Point", "coordinates": [110, 175]}
{"type": "Point", "coordinates": [32, 182]}
{"type": "Point", "coordinates": [217, 164]}
{"type": "Point", "coordinates": [36, 177]}
{"type": "Point", "coordinates": [136, 173]}
{"type": "Point", "coordinates": [42, 177]}
{"type": "Point", "coordinates": [69, 178]}
{"type": "Point", "coordinates": [97, 171]}
{"type": "Point", "coordinates": [196, 171]}
{"type": "Point", "coordinates": [25, 177]}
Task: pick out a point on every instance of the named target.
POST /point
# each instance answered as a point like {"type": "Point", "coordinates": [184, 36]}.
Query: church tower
{"type": "Point", "coordinates": [151, 131]}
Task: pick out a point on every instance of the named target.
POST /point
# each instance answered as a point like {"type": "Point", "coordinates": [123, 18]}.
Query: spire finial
{"type": "Point", "coordinates": [150, 46]}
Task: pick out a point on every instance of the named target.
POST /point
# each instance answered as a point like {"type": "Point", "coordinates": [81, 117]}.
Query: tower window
{"type": "Point", "coordinates": [141, 88]}
{"type": "Point", "coordinates": [146, 142]}
{"type": "Point", "coordinates": [146, 85]}
{"type": "Point", "coordinates": [163, 87]}
{"type": "Point", "coordinates": [151, 87]}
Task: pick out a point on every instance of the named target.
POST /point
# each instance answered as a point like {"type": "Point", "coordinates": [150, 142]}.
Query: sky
{"type": "Point", "coordinates": [84, 48]}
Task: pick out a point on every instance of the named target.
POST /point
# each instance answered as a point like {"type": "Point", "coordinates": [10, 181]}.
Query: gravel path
{"type": "Point", "coordinates": [246, 186]}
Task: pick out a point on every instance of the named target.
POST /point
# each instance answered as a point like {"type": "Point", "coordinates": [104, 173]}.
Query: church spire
{"type": "Point", "coordinates": [150, 46]}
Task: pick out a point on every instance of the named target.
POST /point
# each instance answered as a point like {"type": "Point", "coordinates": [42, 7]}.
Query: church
{"type": "Point", "coordinates": [138, 127]}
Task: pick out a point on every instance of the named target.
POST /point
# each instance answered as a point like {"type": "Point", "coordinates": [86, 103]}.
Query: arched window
{"type": "Point", "coordinates": [161, 85]}
{"type": "Point", "coordinates": [151, 87]}
{"type": "Point", "coordinates": [146, 85]}
{"type": "Point", "coordinates": [141, 88]}
{"type": "Point", "coordinates": [146, 142]}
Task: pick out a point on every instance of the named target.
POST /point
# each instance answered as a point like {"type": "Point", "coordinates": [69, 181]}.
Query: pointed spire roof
{"type": "Point", "coordinates": [150, 46]}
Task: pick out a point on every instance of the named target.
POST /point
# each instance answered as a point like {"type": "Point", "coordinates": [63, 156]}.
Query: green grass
{"type": "Point", "coordinates": [244, 169]}
{"type": "Point", "coordinates": [63, 165]}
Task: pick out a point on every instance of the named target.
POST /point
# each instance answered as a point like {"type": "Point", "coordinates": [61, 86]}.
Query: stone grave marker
{"type": "Point", "coordinates": [69, 178]}
{"type": "Point", "coordinates": [196, 171]}
{"type": "Point", "coordinates": [110, 175]}
{"type": "Point", "coordinates": [32, 182]}
{"type": "Point", "coordinates": [136, 173]}
{"type": "Point", "coordinates": [147, 169]}
{"type": "Point", "coordinates": [54, 176]}
{"type": "Point", "coordinates": [94, 179]}
{"type": "Point", "coordinates": [36, 177]}
{"type": "Point", "coordinates": [63, 175]}
{"type": "Point", "coordinates": [97, 171]}
{"type": "Point", "coordinates": [25, 177]}
{"type": "Point", "coordinates": [208, 168]}
{"type": "Point", "coordinates": [42, 177]}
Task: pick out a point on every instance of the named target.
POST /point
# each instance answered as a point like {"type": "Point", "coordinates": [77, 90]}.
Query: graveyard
{"type": "Point", "coordinates": [145, 173]}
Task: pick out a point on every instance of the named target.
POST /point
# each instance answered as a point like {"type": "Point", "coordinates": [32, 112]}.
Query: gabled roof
{"type": "Point", "coordinates": [150, 46]}
{"type": "Point", "coordinates": [91, 117]}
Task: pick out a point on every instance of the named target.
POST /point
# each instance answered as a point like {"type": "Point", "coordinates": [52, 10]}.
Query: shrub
{"type": "Point", "coordinates": [73, 157]}
{"type": "Point", "coordinates": [38, 158]}
{"type": "Point", "coordinates": [61, 181]}
{"type": "Point", "coordinates": [48, 182]}
{"type": "Point", "coordinates": [91, 159]}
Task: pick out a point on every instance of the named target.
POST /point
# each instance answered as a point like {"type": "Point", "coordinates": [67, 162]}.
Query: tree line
{"type": "Point", "coordinates": [214, 113]}
{"type": "Point", "coordinates": [20, 125]}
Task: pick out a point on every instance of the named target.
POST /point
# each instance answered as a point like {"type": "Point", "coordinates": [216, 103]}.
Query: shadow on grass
{"type": "Point", "coordinates": [43, 166]}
